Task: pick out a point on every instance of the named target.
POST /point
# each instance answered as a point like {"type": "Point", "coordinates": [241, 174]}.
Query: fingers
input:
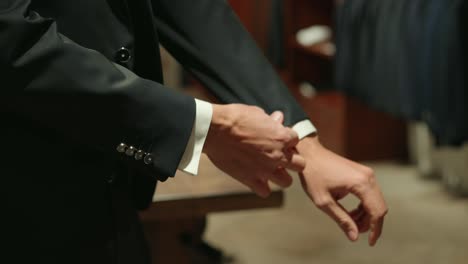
{"type": "Point", "coordinates": [278, 116]}
{"type": "Point", "coordinates": [293, 139]}
{"type": "Point", "coordinates": [293, 161]}
{"type": "Point", "coordinates": [281, 178]}
{"type": "Point", "coordinates": [361, 218]}
{"type": "Point", "coordinates": [366, 223]}
{"type": "Point", "coordinates": [255, 180]}
{"type": "Point", "coordinates": [376, 225]}
{"type": "Point", "coordinates": [286, 157]}
{"type": "Point", "coordinates": [376, 210]}
{"type": "Point", "coordinates": [373, 204]}
{"type": "Point", "coordinates": [341, 217]}
{"type": "Point", "coordinates": [369, 216]}
{"type": "Point", "coordinates": [259, 186]}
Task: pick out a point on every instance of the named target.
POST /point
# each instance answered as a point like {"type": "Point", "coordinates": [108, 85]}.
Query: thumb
{"type": "Point", "coordinates": [278, 116]}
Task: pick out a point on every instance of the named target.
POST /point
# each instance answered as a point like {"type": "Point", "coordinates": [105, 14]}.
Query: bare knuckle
{"type": "Point", "coordinates": [370, 174]}
{"type": "Point", "coordinates": [369, 171]}
{"type": "Point", "coordinates": [323, 203]}
{"type": "Point", "coordinates": [365, 180]}
{"type": "Point", "coordinates": [276, 155]}
{"type": "Point", "coordinates": [385, 212]}
{"type": "Point", "coordinates": [361, 183]}
{"type": "Point", "coordinates": [284, 136]}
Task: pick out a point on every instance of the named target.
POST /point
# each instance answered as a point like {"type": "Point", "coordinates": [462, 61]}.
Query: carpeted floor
{"type": "Point", "coordinates": [424, 225]}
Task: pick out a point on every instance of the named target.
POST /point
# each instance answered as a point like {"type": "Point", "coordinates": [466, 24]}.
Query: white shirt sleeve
{"type": "Point", "coordinates": [191, 158]}
{"type": "Point", "coordinates": [204, 111]}
{"type": "Point", "coordinates": [304, 128]}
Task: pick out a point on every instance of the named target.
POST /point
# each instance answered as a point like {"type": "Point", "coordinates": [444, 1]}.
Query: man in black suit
{"type": "Point", "coordinates": [89, 128]}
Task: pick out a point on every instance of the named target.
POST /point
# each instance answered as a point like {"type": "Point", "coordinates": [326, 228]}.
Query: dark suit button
{"type": "Point", "coordinates": [123, 55]}
{"type": "Point", "coordinates": [121, 148]}
{"type": "Point", "coordinates": [130, 151]}
{"type": "Point", "coordinates": [148, 159]}
{"type": "Point", "coordinates": [111, 178]}
{"type": "Point", "coordinates": [139, 155]}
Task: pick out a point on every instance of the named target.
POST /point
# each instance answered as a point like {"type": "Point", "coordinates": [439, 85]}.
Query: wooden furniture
{"type": "Point", "coordinates": [175, 221]}
{"type": "Point", "coordinates": [351, 129]}
{"type": "Point", "coordinates": [312, 63]}
{"type": "Point", "coordinates": [345, 126]}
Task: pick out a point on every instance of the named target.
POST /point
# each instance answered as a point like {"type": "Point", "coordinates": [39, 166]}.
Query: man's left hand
{"type": "Point", "coordinates": [328, 178]}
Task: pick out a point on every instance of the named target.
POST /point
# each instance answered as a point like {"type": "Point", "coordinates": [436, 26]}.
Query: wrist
{"type": "Point", "coordinates": [221, 120]}
{"type": "Point", "coordinates": [309, 144]}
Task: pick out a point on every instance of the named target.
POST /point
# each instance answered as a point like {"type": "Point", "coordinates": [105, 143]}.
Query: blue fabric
{"type": "Point", "coordinates": [407, 58]}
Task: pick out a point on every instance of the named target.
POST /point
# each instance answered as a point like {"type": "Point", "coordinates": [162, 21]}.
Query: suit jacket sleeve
{"type": "Point", "coordinates": [208, 39]}
{"type": "Point", "coordinates": [79, 94]}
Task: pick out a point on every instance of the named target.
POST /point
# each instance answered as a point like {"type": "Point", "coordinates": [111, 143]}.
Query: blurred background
{"type": "Point", "coordinates": [385, 82]}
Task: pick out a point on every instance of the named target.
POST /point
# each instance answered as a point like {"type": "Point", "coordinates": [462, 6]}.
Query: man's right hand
{"type": "Point", "coordinates": [250, 146]}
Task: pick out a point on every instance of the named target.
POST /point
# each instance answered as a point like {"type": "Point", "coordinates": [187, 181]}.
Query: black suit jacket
{"type": "Point", "coordinates": [81, 77]}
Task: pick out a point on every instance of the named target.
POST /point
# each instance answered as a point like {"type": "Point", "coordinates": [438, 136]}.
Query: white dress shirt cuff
{"type": "Point", "coordinates": [191, 159]}
{"type": "Point", "coordinates": [304, 128]}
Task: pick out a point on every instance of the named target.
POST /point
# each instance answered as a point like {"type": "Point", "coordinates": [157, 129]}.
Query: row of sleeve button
{"type": "Point", "coordinates": [138, 154]}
